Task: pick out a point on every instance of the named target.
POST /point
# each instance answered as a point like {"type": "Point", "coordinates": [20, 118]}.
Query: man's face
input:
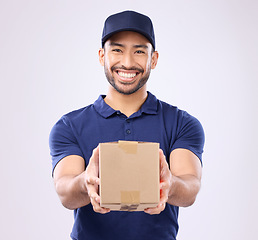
{"type": "Point", "coordinates": [127, 58]}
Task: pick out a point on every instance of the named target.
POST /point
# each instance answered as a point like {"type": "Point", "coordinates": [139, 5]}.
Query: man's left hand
{"type": "Point", "coordinates": [165, 185]}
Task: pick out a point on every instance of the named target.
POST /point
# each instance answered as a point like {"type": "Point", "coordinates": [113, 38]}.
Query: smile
{"type": "Point", "coordinates": [126, 75]}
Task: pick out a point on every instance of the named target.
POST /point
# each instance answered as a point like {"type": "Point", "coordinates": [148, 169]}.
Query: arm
{"type": "Point", "coordinates": [186, 174]}
{"type": "Point", "coordinates": [75, 186]}
{"type": "Point", "coordinates": [181, 184]}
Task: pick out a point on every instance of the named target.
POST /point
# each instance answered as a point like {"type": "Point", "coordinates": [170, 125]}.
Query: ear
{"type": "Point", "coordinates": [101, 56]}
{"type": "Point", "coordinates": [154, 59]}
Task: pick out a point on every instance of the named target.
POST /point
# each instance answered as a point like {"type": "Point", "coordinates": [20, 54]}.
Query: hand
{"type": "Point", "coordinates": [92, 182]}
{"type": "Point", "coordinates": [165, 185]}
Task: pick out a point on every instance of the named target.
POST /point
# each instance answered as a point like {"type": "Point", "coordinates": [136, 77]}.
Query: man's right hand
{"type": "Point", "coordinates": [77, 187]}
{"type": "Point", "coordinates": [92, 182]}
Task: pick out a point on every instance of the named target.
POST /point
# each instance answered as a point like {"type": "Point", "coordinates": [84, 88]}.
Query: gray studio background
{"type": "Point", "coordinates": [208, 66]}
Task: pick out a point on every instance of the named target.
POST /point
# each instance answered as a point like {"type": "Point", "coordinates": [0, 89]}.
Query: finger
{"type": "Point", "coordinates": [94, 196]}
{"type": "Point", "coordinates": [161, 155]}
{"type": "Point", "coordinates": [97, 208]}
{"type": "Point", "coordinates": [161, 151]}
{"type": "Point", "coordinates": [92, 187]}
{"type": "Point", "coordinates": [164, 186]}
{"type": "Point", "coordinates": [97, 181]}
{"type": "Point", "coordinates": [94, 159]}
{"type": "Point", "coordinates": [93, 180]}
{"type": "Point", "coordinates": [156, 210]}
{"type": "Point", "coordinates": [163, 199]}
{"type": "Point", "coordinates": [163, 164]}
{"type": "Point", "coordinates": [163, 161]}
{"type": "Point", "coordinates": [95, 155]}
{"type": "Point", "coordinates": [164, 191]}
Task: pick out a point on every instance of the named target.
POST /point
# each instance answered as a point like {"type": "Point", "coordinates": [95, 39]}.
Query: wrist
{"type": "Point", "coordinates": [172, 185]}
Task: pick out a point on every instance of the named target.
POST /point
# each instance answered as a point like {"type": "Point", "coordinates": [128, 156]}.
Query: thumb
{"type": "Point", "coordinates": [95, 156]}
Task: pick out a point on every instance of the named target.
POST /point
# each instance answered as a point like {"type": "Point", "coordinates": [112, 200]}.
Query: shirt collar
{"type": "Point", "coordinates": [102, 108]}
{"type": "Point", "coordinates": [150, 106]}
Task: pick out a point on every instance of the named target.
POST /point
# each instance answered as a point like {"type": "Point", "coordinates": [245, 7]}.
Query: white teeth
{"type": "Point", "coordinates": [127, 75]}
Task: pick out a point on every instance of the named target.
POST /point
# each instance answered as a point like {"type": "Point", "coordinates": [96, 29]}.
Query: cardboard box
{"type": "Point", "coordinates": [129, 175]}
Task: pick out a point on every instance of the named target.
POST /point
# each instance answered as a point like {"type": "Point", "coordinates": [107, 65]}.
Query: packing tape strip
{"type": "Point", "coordinates": [130, 200]}
{"type": "Point", "coordinates": [129, 208]}
{"type": "Point", "coordinates": [128, 146]}
{"type": "Point", "coordinates": [130, 197]}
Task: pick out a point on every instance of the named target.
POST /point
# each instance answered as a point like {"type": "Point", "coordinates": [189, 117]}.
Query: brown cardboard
{"type": "Point", "coordinates": [129, 175]}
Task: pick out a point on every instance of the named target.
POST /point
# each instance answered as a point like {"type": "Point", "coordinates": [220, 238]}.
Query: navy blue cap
{"type": "Point", "coordinates": [128, 21]}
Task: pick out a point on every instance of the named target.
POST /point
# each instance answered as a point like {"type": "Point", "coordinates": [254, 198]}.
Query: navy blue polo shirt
{"type": "Point", "coordinates": [79, 132]}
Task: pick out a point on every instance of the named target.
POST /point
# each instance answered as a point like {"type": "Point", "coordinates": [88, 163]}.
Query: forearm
{"type": "Point", "coordinates": [183, 190]}
{"type": "Point", "coordinates": [72, 191]}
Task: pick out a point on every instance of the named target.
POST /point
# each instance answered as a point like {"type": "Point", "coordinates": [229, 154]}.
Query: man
{"type": "Point", "coordinates": [127, 112]}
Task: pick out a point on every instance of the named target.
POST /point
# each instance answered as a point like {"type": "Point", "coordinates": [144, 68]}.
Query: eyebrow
{"type": "Point", "coordinates": [116, 44]}
{"type": "Point", "coordinates": [122, 45]}
{"type": "Point", "coordinates": [141, 46]}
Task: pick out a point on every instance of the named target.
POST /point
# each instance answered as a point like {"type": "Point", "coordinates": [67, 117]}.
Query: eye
{"type": "Point", "coordinates": [116, 50]}
{"type": "Point", "coordinates": [140, 52]}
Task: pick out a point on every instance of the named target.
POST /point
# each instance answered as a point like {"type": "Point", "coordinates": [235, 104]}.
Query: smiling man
{"type": "Point", "coordinates": [128, 58]}
{"type": "Point", "coordinates": [127, 112]}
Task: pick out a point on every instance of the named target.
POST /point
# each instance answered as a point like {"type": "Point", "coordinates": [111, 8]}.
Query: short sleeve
{"type": "Point", "coordinates": [190, 134]}
{"type": "Point", "coordinates": [62, 142]}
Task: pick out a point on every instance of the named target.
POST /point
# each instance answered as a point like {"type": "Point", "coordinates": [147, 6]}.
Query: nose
{"type": "Point", "coordinates": [128, 60]}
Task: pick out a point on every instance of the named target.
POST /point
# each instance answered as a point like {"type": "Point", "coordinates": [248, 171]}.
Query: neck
{"type": "Point", "coordinates": [127, 104]}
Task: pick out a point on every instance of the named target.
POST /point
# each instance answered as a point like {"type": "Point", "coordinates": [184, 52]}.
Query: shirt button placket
{"type": "Point", "coordinates": [128, 129]}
